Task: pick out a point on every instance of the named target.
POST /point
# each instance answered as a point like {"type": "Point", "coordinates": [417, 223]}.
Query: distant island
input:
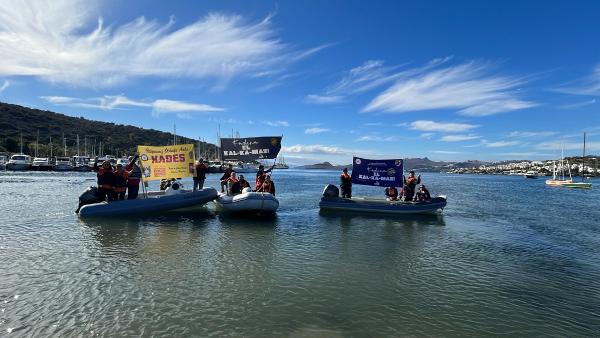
{"type": "Point", "coordinates": [421, 164]}
{"type": "Point", "coordinates": [324, 166]}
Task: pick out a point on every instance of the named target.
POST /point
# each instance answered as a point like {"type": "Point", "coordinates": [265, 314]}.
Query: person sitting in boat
{"type": "Point", "coordinates": [106, 180]}
{"type": "Point", "coordinates": [391, 193]}
{"type": "Point", "coordinates": [346, 184]}
{"type": "Point", "coordinates": [423, 194]}
{"type": "Point", "coordinates": [243, 182]}
{"type": "Point", "coordinates": [165, 183]}
{"type": "Point", "coordinates": [410, 185]}
{"type": "Point", "coordinates": [133, 178]}
{"type": "Point", "coordinates": [200, 170]}
{"type": "Point", "coordinates": [225, 176]}
{"type": "Point", "coordinates": [233, 185]}
{"type": "Point", "coordinates": [260, 175]}
{"type": "Point", "coordinates": [120, 182]}
{"type": "Point", "coordinates": [267, 186]}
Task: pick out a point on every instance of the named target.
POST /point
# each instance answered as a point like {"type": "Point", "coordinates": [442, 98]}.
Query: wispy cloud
{"type": "Point", "coordinates": [558, 145]}
{"type": "Point", "coordinates": [469, 87]}
{"type": "Point", "coordinates": [277, 123]}
{"type": "Point", "coordinates": [52, 41]}
{"type": "Point", "coordinates": [316, 130]}
{"type": "Point", "coordinates": [373, 124]}
{"type": "Point", "coordinates": [4, 85]}
{"type": "Point", "coordinates": [531, 134]}
{"type": "Point", "coordinates": [324, 150]}
{"type": "Point", "coordinates": [375, 138]}
{"type": "Point", "coordinates": [447, 127]}
{"type": "Point", "coordinates": [324, 99]}
{"type": "Point", "coordinates": [589, 85]}
{"type": "Point", "coordinates": [427, 136]}
{"type": "Point", "coordinates": [446, 152]}
{"type": "Point", "coordinates": [459, 138]}
{"type": "Point", "coordinates": [500, 144]}
{"type": "Point", "coordinates": [578, 104]}
{"type": "Point", "coordinates": [119, 102]}
{"type": "Point", "coordinates": [526, 155]}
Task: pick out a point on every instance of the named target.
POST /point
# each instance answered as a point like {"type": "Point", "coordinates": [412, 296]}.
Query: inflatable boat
{"type": "Point", "coordinates": [248, 202]}
{"type": "Point", "coordinates": [155, 201]}
{"type": "Point", "coordinates": [331, 201]}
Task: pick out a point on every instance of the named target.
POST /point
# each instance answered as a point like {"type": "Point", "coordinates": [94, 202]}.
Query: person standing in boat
{"type": "Point", "coordinates": [243, 182]}
{"type": "Point", "coordinates": [346, 184]}
{"type": "Point", "coordinates": [410, 185]}
{"type": "Point", "coordinates": [134, 176]}
{"type": "Point", "coordinates": [260, 175]}
{"type": "Point", "coordinates": [391, 193]}
{"type": "Point", "coordinates": [200, 170]}
{"type": "Point", "coordinates": [120, 182]}
{"type": "Point", "coordinates": [106, 180]}
{"type": "Point", "coordinates": [267, 186]}
{"type": "Point", "coordinates": [225, 176]}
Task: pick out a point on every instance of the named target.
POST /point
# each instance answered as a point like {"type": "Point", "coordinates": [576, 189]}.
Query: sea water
{"type": "Point", "coordinates": [508, 257]}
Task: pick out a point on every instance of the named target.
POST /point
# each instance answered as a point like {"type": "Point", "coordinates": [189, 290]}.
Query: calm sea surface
{"type": "Point", "coordinates": [508, 257]}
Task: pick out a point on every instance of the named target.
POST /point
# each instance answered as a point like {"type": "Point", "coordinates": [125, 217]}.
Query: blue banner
{"type": "Point", "coordinates": [380, 173]}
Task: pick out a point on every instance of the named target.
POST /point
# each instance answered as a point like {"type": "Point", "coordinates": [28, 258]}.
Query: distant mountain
{"type": "Point", "coordinates": [114, 138]}
{"type": "Point", "coordinates": [325, 165]}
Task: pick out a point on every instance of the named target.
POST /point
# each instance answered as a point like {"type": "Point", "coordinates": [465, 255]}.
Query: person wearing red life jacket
{"type": "Point", "coordinates": [106, 180]}
{"type": "Point", "coordinates": [260, 175]}
{"type": "Point", "coordinates": [267, 186]}
{"type": "Point", "coordinates": [120, 182]}
{"type": "Point", "coordinates": [346, 184]}
{"type": "Point", "coordinates": [225, 176]}
{"type": "Point", "coordinates": [410, 184]}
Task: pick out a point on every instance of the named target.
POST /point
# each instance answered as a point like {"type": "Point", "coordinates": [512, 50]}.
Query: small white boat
{"type": "Point", "coordinates": [248, 202]}
{"type": "Point", "coordinates": [332, 201]}
{"type": "Point", "coordinates": [245, 168]}
{"type": "Point", "coordinates": [531, 174]}
{"type": "Point", "coordinates": [156, 201]}
{"type": "Point", "coordinates": [41, 164]}
{"type": "Point", "coordinates": [62, 164]}
{"type": "Point", "coordinates": [19, 162]}
{"type": "Point", "coordinates": [81, 163]}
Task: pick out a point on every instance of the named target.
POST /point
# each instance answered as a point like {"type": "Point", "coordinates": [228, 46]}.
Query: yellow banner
{"type": "Point", "coordinates": [167, 161]}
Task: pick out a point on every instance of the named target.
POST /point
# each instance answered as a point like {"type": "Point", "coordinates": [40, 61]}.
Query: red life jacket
{"type": "Point", "coordinates": [121, 180]}
{"type": "Point", "coordinates": [106, 178]}
{"type": "Point", "coordinates": [259, 181]}
{"type": "Point", "coordinates": [267, 187]}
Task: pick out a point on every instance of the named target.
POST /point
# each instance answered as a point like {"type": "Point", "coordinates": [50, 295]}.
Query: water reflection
{"type": "Point", "coordinates": [354, 218]}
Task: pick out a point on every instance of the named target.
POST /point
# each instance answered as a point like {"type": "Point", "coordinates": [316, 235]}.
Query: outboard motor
{"type": "Point", "coordinates": [88, 196]}
{"type": "Point", "coordinates": [331, 191]}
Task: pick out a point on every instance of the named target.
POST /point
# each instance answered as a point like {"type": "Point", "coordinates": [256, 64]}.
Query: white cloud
{"type": "Point", "coordinates": [316, 130]}
{"type": "Point", "coordinates": [446, 152]}
{"type": "Point", "coordinates": [499, 144]}
{"type": "Point", "coordinates": [56, 41]}
{"type": "Point", "coordinates": [526, 134]}
{"type": "Point", "coordinates": [578, 104]}
{"type": "Point", "coordinates": [317, 149]}
{"type": "Point", "coordinates": [277, 123]}
{"type": "Point", "coordinates": [324, 99]}
{"type": "Point", "coordinates": [589, 85]}
{"type": "Point", "coordinates": [373, 124]}
{"type": "Point", "coordinates": [558, 145]}
{"type": "Point", "coordinates": [111, 102]}
{"type": "Point", "coordinates": [468, 87]}
{"type": "Point", "coordinates": [459, 138]}
{"type": "Point", "coordinates": [448, 127]}
{"type": "Point", "coordinates": [427, 136]}
{"type": "Point", "coordinates": [375, 138]}
{"type": "Point", "coordinates": [4, 85]}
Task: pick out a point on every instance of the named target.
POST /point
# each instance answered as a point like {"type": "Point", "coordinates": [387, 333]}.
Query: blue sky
{"type": "Point", "coordinates": [447, 80]}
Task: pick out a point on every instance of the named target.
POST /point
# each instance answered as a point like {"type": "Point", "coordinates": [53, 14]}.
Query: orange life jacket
{"type": "Point", "coordinates": [121, 181]}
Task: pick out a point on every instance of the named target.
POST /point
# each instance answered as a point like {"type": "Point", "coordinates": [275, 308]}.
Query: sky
{"type": "Point", "coordinates": [447, 80]}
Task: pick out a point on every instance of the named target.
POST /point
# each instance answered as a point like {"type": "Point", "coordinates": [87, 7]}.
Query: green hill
{"type": "Point", "coordinates": [101, 137]}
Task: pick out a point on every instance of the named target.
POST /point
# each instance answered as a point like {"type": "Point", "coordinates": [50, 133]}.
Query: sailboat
{"type": "Point", "coordinates": [280, 164]}
{"type": "Point", "coordinates": [569, 183]}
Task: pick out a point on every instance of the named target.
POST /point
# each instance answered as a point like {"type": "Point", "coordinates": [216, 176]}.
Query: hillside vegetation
{"type": "Point", "coordinates": [102, 137]}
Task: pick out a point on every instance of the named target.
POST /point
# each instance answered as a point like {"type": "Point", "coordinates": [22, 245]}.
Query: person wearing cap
{"type": "Point", "coordinates": [410, 184]}
{"type": "Point", "coordinates": [134, 176]}
{"type": "Point", "coordinates": [200, 170]}
{"type": "Point", "coordinates": [120, 182]}
{"type": "Point", "coordinates": [261, 175]}
{"type": "Point", "coordinates": [106, 180]}
{"type": "Point", "coordinates": [346, 184]}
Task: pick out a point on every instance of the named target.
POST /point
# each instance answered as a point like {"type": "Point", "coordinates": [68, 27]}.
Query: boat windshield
{"type": "Point", "coordinates": [19, 158]}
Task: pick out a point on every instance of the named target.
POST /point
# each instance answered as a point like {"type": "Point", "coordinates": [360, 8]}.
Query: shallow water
{"type": "Point", "coordinates": [508, 257]}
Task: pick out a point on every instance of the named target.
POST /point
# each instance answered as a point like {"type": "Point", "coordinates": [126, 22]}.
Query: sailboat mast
{"type": "Point", "coordinates": [37, 140]}
{"type": "Point", "coordinates": [583, 161]}
{"type": "Point", "coordinates": [50, 146]}
{"type": "Point", "coordinates": [21, 144]}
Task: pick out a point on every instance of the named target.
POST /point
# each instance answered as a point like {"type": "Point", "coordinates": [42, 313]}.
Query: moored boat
{"type": "Point", "coordinates": [41, 164]}
{"type": "Point", "coordinates": [248, 202]}
{"type": "Point", "coordinates": [531, 174]}
{"type": "Point", "coordinates": [19, 162]}
{"type": "Point", "coordinates": [331, 201]}
{"type": "Point", "coordinates": [155, 201]}
{"type": "Point", "coordinates": [62, 164]}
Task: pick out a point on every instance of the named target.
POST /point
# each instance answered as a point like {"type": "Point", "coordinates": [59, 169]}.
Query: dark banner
{"type": "Point", "coordinates": [381, 173]}
{"type": "Point", "coordinates": [250, 148]}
